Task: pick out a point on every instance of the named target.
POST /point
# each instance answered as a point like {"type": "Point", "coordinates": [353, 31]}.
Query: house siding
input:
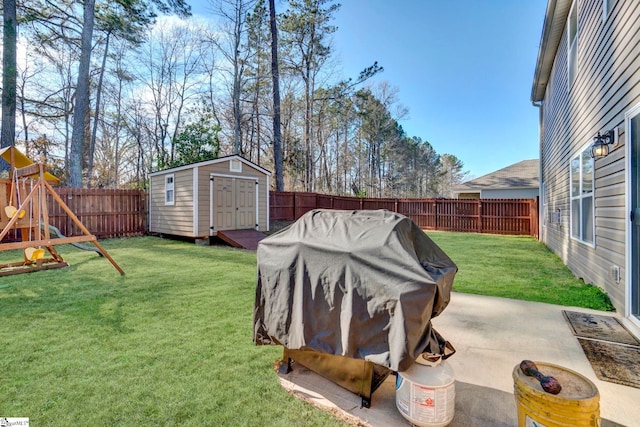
{"type": "Point", "coordinates": [607, 85]}
{"type": "Point", "coordinates": [524, 193]}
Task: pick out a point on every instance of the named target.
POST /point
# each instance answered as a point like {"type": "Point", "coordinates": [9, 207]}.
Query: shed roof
{"type": "Point", "coordinates": [519, 175]}
{"type": "Point", "coordinates": [212, 162]}
{"type": "Point", "coordinates": [555, 20]}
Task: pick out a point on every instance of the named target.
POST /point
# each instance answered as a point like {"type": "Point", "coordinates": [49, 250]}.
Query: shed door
{"type": "Point", "coordinates": [224, 203]}
{"type": "Point", "coordinates": [234, 203]}
{"type": "Point", "coordinates": [245, 203]}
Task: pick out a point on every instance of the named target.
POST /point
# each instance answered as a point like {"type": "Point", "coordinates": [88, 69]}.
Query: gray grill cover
{"type": "Point", "coordinates": [360, 284]}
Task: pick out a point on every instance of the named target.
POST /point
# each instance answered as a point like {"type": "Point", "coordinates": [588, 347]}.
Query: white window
{"type": "Point", "coordinates": [235, 165]}
{"type": "Point", "coordinates": [572, 59]}
{"type": "Point", "coordinates": [169, 190]}
{"type": "Point", "coordinates": [582, 206]}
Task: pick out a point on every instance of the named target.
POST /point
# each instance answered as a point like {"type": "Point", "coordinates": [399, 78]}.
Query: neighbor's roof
{"type": "Point", "coordinates": [555, 20]}
{"type": "Point", "coordinates": [520, 175]}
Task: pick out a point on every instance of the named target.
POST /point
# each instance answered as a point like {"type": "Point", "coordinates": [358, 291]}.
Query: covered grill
{"type": "Point", "coordinates": [343, 288]}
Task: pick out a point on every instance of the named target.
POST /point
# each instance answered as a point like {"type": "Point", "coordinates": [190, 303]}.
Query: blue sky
{"type": "Point", "coordinates": [463, 68]}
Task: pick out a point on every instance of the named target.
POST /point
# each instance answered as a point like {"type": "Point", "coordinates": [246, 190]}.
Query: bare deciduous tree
{"type": "Point", "coordinates": [171, 69]}
{"type": "Point", "coordinates": [232, 45]}
{"type": "Point", "coordinates": [307, 27]}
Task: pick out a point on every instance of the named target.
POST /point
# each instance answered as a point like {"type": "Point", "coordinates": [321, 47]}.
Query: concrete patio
{"type": "Point", "coordinates": [491, 336]}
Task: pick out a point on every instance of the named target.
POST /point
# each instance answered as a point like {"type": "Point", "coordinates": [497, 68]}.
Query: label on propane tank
{"type": "Point", "coordinates": [528, 422]}
{"type": "Point", "coordinates": [433, 405]}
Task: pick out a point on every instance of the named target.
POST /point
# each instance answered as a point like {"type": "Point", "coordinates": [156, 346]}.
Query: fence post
{"type": "Point", "coordinates": [479, 216]}
{"type": "Point", "coordinates": [69, 203]}
{"type": "Point", "coordinates": [295, 209]}
{"type": "Point", "coordinates": [534, 219]}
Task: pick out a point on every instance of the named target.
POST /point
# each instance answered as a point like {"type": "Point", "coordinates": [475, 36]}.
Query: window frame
{"type": "Point", "coordinates": [235, 165]}
{"type": "Point", "coordinates": [545, 206]}
{"type": "Point", "coordinates": [581, 195]}
{"type": "Point", "coordinates": [169, 190]}
{"type": "Point", "coordinates": [572, 45]}
{"type": "Point", "coordinates": [607, 6]}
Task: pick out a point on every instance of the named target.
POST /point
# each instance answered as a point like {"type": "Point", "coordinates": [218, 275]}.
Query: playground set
{"type": "Point", "coordinates": [23, 198]}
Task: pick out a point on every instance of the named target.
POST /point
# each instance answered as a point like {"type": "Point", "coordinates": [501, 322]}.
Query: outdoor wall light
{"type": "Point", "coordinates": [601, 143]}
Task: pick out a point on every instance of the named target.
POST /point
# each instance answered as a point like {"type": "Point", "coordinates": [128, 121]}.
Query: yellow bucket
{"type": "Point", "coordinates": [578, 404]}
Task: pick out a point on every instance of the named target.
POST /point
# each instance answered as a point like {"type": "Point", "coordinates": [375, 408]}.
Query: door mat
{"type": "Point", "coordinates": [597, 327]}
{"type": "Point", "coordinates": [612, 362]}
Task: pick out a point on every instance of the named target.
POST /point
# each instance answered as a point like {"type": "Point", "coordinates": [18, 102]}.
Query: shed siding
{"type": "Point", "coordinates": [174, 219]}
{"type": "Point", "coordinates": [204, 204]}
{"type": "Point", "coordinates": [607, 85]}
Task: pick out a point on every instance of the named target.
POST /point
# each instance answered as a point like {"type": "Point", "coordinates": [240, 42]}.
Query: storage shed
{"type": "Point", "coordinates": [201, 199]}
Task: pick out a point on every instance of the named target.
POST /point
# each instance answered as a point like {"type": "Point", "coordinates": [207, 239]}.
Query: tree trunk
{"type": "Point", "coordinates": [116, 171]}
{"type": "Point", "coordinates": [82, 98]}
{"type": "Point", "coordinates": [23, 113]}
{"type": "Point", "coordinates": [9, 75]}
{"type": "Point", "coordinates": [237, 122]}
{"type": "Point", "coordinates": [309, 85]}
{"type": "Point", "coordinates": [92, 146]}
{"type": "Point", "coordinates": [237, 79]}
{"type": "Point", "coordinates": [275, 76]}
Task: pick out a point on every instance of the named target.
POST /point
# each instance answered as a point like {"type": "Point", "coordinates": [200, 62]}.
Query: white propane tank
{"type": "Point", "coordinates": [425, 393]}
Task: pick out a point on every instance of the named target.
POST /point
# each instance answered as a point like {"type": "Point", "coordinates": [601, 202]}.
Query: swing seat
{"type": "Point", "coordinates": [11, 211]}
{"type": "Point", "coordinates": [33, 254]}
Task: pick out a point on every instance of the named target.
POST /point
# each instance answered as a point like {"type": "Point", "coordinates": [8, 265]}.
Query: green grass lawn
{"type": "Point", "coordinates": [170, 342]}
{"type": "Point", "coordinates": [516, 267]}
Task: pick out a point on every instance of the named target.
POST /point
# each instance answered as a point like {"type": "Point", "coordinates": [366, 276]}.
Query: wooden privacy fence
{"type": "Point", "coordinates": [105, 212]}
{"type": "Point", "coordinates": [495, 216]}
{"type": "Point", "coordinates": [120, 213]}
